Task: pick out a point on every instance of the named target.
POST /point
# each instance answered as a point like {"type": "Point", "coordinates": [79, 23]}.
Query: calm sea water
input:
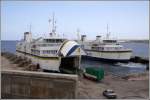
{"type": "Point", "coordinates": [139, 49]}
{"type": "Point", "coordinates": [9, 46]}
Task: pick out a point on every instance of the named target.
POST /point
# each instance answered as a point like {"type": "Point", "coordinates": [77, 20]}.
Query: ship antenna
{"type": "Point", "coordinates": [63, 35]}
{"type": "Point", "coordinates": [53, 28]}
{"type": "Point", "coordinates": [107, 28]}
{"type": "Point", "coordinates": [107, 36]}
{"type": "Point", "coordinates": [54, 24]}
{"type": "Point", "coordinates": [78, 31]}
{"type": "Point", "coordinates": [49, 24]}
{"type": "Point", "coordinates": [30, 28]}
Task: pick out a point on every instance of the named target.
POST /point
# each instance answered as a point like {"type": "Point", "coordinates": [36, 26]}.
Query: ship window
{"type": "Point", "coordinates": [50, 40]}
{"type": "Point", "coordinates": [54, 40]}
{"type": "Point", "coordinates": [93, 48]}
{"type": "Point", "coordinates": [101, 48]}
{"type": "Point", "coordinates": [53, 51]}
{"type": "Point", "coordinates": [44, 51]}
{"type": "Point", "coordinates": [109, 41]}
{"type": "Point", "coordinates": [43, 45]}
{"type": "Point", "coordinates": [57, 41]}
{"type": "Point", "coordinates": [97, 48]}
{"type": "Point", "coordinates": [60, 40]}
{"type": "Point", "coordinates": [49, 51]}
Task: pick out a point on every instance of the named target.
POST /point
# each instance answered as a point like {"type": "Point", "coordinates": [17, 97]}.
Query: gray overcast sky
{"type": "Point", "coordinates": [126, 19]}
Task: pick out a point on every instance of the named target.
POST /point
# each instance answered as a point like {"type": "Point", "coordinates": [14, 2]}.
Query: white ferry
{"type": "Point", "coordinates": [105, 50]}
{"type": "Point", "coordinates": [50, 53]}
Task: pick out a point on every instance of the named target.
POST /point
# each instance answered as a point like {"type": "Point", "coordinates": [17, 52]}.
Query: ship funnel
{"type": "Point", "coordinates": [27, 37]}
{"type": "Point", "coordinates": [98, 38]}
{"type": "Point", "coordinates": [83, 37]}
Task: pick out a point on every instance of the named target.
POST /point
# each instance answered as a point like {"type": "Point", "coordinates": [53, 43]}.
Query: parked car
{"type": "Point", "coordinates": [110, 94]}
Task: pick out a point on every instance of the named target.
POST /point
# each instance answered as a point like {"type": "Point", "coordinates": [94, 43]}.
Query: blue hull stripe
{"type": "Point", "coordinates": [72, 49]}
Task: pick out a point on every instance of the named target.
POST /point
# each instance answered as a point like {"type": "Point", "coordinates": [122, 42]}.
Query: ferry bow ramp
{"type": "Point", "coordinates": [70, 53]}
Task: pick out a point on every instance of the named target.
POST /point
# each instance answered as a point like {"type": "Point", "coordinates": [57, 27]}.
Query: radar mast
{"type": "Point", "coordinates": [108, 33]}
{"type": "Point", "coordinates": [53, 30]}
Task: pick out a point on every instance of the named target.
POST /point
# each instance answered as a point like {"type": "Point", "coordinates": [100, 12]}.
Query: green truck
{"type": "Point", "coordinates": [94, 72]}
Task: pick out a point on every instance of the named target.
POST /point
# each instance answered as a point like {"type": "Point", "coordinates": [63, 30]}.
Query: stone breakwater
{"type": "Point", "coordinates": [138, 59]}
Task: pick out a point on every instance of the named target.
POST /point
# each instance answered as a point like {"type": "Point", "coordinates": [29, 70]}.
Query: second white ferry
{"type": "Point", "coordinates": [105, 50]}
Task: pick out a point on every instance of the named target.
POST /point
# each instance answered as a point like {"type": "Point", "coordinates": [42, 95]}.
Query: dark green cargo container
{"type": "Point", "coordinates": [95, 72]}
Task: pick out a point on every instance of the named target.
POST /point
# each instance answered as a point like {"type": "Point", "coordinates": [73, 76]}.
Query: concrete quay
{"type": "Point", "coordinates": [18, 84]}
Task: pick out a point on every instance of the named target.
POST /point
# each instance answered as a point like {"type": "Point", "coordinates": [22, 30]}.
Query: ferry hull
{"type": "Point", "coordinates": [104, 59]}
{"type": "Point", "coordinates": [49, 63]}
{"type": "Point", "coordinates": [123, 56]}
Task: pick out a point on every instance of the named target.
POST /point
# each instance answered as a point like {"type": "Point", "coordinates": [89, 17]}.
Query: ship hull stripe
{"type": "Point", "coordinates": [72, 49]}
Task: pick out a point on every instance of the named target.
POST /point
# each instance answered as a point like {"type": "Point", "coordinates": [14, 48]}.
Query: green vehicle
{"type": "Point", "coordinates": [94, 72]}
